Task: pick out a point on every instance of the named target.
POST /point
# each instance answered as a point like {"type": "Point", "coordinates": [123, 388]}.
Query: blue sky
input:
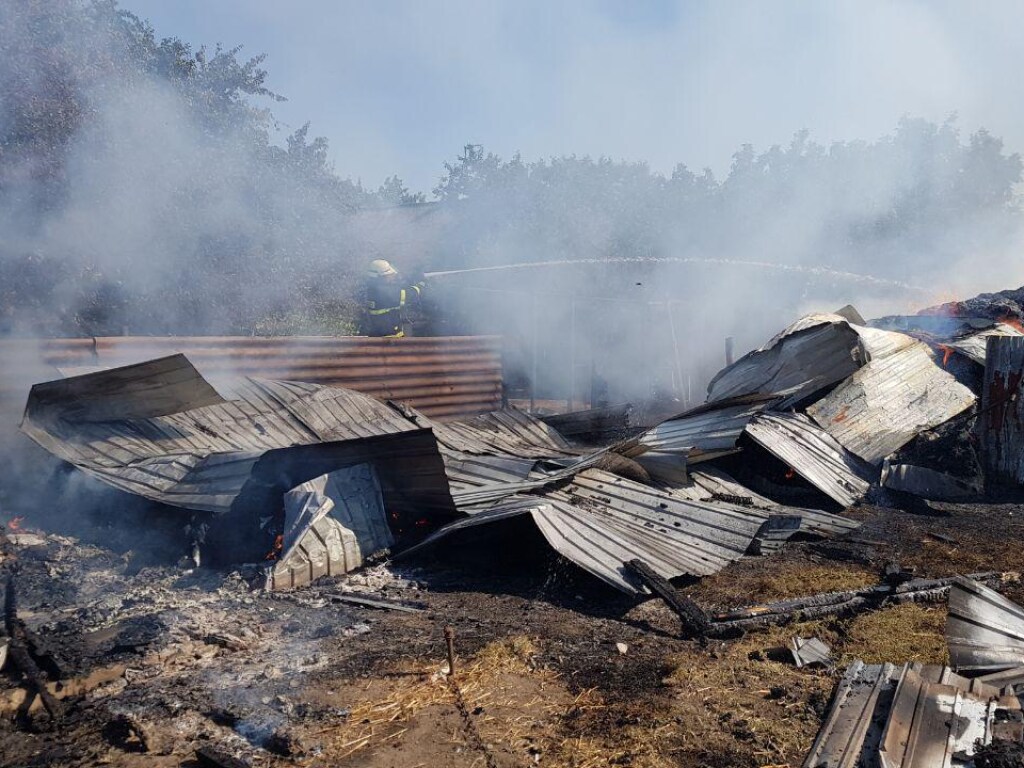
{"type": "Point", "coordinates": [398, 86]}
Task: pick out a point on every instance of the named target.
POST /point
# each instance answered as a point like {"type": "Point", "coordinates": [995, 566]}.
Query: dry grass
{"type": "Point", "coordinates": [902, 633]}
{"type": "Point", "coordinates": [735, 700]}
{"type": "Point", "coordinates": [787, 578]}
{"type": "Point", "coordinates": [490, 683]}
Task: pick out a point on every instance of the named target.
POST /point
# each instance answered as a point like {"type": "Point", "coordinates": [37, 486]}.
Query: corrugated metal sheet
{"type": "Point", "coordinates": [177, 442]}
{"type": "Point", "coordinates": [700, 434]}
{"type": "Point", "coordinates": [984, 630]}
{"type": "Point", "coordinates": [712, 484]}
{"type": "Point", "coordinates": [813, 454]}
{"type": "Point", "coordinates": [914, 716]}
{"type": "Point", "coordinates": [441, 376]}
{"type": "Point", "coordinates": [508, 432]}
{"type": "Point", "coordinates": [897, 395]}
{"type": "Point", "coordinates": [810, 651]}
{"type": "Point", "coordinates": [1001, 421]}
{"type": "Point", "coordinates": [974, 346]}
{"type": "Point", "coordinates": [814, 352]}
{"type": "Point", "coordinates": [601, 521]}
{"type": "Point", "coordinates": [926, 483]}
{"type": "Point", "coordinates": [333, 523]}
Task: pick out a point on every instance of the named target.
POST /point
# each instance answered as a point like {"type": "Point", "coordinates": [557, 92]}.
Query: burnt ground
{"type": "Point", "coordinates": [553, 667]}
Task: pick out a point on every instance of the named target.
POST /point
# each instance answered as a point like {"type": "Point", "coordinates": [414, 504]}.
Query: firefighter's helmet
{"type": "Point", "coordinates": [382, 268]}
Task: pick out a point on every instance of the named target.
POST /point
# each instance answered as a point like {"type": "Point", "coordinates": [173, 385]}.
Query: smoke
{"type": "Point", "coordinates": [145, 188]}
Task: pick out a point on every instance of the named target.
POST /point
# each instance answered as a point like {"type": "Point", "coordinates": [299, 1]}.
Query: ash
{"type": "Point", "coordinates": [170, 659]}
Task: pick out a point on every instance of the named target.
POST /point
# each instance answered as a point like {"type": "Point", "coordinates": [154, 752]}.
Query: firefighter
{"type": "Point", "coordinates": [388, 301]}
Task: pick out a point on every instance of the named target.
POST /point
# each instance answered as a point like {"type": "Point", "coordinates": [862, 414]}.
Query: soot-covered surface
{"type": "Point", "coordinates": [553, 667]}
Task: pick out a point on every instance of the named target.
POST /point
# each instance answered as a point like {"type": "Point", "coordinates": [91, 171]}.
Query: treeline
{"type": "Point", "coordinates": [141, 188]}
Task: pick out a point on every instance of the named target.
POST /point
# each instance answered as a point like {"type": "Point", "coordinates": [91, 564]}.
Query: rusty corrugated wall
{"type": "Point", "coordinates": [440, 376]}
{"type": "Point", "coordinates": [1001, 423]}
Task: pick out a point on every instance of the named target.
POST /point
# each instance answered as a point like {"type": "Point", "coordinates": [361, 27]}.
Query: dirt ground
{"type": "Point", "coordinates": [553, 668]}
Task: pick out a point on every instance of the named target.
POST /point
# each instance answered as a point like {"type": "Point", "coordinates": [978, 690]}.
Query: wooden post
{"type": "Point", "coordinates": [1000, 420]}
{"type": "Point", "coordinates": [533, 372]}
{"type": "Point", "coordinates": [572, 361]}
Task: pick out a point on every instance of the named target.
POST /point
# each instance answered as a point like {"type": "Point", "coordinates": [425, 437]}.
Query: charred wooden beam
{"type": "Point", "coordinates": [694, 620]}
{"type": "Point", "coordinates": [22, 658]}
{"type": "Point", "coordinates": [835, 604]}
{"type": "Point", "coordinates": [369, 602]}
{"type": "Point", "coordinates": [211, 757]}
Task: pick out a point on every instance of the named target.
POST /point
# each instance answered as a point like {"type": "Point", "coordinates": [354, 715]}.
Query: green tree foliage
{"type": "Point", "coordinates": [910, 201]}
{"type": "Point", "coordinates": [140, 186]}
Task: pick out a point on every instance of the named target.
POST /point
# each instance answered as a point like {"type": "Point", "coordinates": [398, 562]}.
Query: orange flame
{"type": "Point", "coordinates": [947, 352]}
{"type": "Point", "coordinates": [14, 523]}
{"type": "Point", "coordinates": [790, 473]}
{"type": "Point", "coordinates": [276, 551]}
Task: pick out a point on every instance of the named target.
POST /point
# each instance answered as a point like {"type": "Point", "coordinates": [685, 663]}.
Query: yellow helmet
{"type": "Point", "coordinates": [382, 268]}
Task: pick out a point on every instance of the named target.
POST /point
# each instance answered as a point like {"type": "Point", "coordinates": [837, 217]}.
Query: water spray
{"type": "Point", "coordinates": [807, 271]}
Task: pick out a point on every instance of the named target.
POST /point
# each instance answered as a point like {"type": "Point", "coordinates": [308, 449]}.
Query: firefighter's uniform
{"type": "Point", "coordinates": [388, 301]}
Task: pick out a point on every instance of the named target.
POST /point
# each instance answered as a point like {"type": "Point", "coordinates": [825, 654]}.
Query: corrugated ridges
{"type": "Point", "coordinates": [814, 454]}
{"type": "Point", "coordinates": [442, 376]}
{"type": "Point", "coordinates": [984, 630]}
{"type": "Point", "coordinates": [974, 346]}
{"type": "Point", "coordinates": [914, 716]}
{"type": "Point", "coordinates": [814, 352]}
{"type": "Point", "coordinates": [889, 401]}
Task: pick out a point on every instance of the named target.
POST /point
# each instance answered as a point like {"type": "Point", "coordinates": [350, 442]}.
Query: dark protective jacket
{"type": "Point", "coordinates": [387, 305]}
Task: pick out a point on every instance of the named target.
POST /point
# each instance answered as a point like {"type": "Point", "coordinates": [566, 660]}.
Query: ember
{"type": "Point", "coordinates": [1012, 321]}
{"type": "Point", "coordinates": [275, 553]}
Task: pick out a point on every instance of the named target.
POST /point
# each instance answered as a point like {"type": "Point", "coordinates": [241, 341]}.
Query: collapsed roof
{"type": "Point", "coordinates": [829, 398]}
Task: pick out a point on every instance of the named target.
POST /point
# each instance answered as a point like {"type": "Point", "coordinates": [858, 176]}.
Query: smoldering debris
{"type": "Point", "coordinates": [305, 492]}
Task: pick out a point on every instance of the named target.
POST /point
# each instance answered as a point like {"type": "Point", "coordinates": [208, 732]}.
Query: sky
{"type": "Point", "coordinates": [399, 86]}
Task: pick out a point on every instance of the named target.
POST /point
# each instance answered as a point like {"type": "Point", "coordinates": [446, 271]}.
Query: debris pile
{"type": "Point", "coordinates": [290, 482]}
{"type": "Point", "coordinates": [318, 480]}
{"type": "Point", "coordinates": [917, 716]}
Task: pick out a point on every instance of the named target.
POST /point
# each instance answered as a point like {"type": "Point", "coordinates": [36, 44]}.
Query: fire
{"type": "Point", "coordinates": [1013, 322]}
{"type": "Point", "coordinates": [790, 473]}
{"type": "Point", "coordinates": [14, 523]}
{"type": "Point", "coordinates": [276, 551]}
{"type": "Point", "coordinates": [947, 352]}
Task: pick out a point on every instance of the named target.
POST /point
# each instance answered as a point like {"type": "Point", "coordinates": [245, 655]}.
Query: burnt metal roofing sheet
{"type": "Point", "coordinates": [601, 521]}
{"type": "Point", "coordinates": [713, 484]}
{"type": "Point", "coordinates": [813, 454]}
{"type": "Point", "coordinates": [913, 716]}
{"type": "Point", "coordinates": [900, 393]}
{"type": "Point", "coordinates": [158, 430]}
{"type": "Point", "coordinates": [508, 432]}
{"type": "Point", "coordinates": [332, 524]}
{"type": "Point", "coordinates": [984, 630]}
{"type": "Point", "coordinates": [812, 353]}
{"type": "Point", "coordinates": [704, 432]}
{"type": "Point", "coordinates": [810, 651]}
{"type": "Point", "coordinates": [974, 346]}
{"type": "Point", "coordinates": [926, 483]}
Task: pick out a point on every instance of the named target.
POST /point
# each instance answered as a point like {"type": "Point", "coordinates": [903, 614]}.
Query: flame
{"type": "Point", "coordinates": [14, 523]}
{"type": "Point", "coordinates": [1013, 322]}
{"type": "Point", "coordinates": [790, 473]}
{"type": "Point", "coordinates": [276, 551]}
{"type": "Point", "coordinates": [947, 352]}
